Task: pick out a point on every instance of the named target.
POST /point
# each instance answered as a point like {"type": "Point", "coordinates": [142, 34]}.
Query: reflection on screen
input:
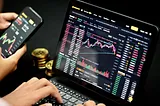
{"type": "Point", "coordinates": [98, 51]}
{"type": "Point", "coordinates": [19, 30]}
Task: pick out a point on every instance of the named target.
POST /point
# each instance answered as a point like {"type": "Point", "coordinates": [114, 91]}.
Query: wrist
{"type": "Point", "coordinates": [3, 73]}
{"type": "Point", "coordinates": [4, 103]}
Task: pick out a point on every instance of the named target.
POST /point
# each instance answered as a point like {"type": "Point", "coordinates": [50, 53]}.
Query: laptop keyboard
{"type": "Point", "coordinates": [70, 97]}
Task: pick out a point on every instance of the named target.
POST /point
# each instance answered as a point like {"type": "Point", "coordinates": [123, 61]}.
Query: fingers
{"type": "Point", "coordinates": [9, 16]}
{"type": "Point", "coordinates": [46, 104]}
{"type": "Point", "coordinates": [44, 82]}
{"type": "Point", "coordinates": [19, 53]}
{"type": "Point", "coordinates": [79, 105]}
{"type": "Point", "coordinates": [5, 18]}
{"type": "Point", "coordinates": [52, 90]}
{"type": "Point", "coordinates": [101, 104]}
{"type": "Point", "coordinates": [46, 91]}
{"type": "Point", "coordinates": [32, 80]}
{"type": "Point", "coordinates": [0, 53]}
{"type": "Point", "coordinates": [90, 103]}
{"type": "Point", "coordinates": [44, 88]}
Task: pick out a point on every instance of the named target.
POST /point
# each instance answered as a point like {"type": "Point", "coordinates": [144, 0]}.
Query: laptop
{"type": "Point", "coordinates": [102, 55]}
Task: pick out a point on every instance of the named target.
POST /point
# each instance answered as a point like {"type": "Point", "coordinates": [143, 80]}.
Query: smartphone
{"type": "Point", "coordinates": [20, 30]}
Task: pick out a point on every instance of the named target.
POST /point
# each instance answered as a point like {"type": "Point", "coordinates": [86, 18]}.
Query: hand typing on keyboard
{"type": "Point", "coordinates": [91, 103]}
{"type": "Point", "coordinates": [30, 92]}
{"type": "Point", "coordinates": [41, 92]}
{"type": "Point", "coordinates": [87, 103]}
{"type": "Point", "coordinates": [69, 96]}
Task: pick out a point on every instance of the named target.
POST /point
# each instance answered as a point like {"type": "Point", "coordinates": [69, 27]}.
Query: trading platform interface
{"type": "Point", "coordinates": [19, 30]}
{"type": "Point", "coordinates": [99, 51]}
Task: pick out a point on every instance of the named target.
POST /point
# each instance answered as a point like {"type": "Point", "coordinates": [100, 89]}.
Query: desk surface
{"type": "Point", "coordinates": [53, 12]}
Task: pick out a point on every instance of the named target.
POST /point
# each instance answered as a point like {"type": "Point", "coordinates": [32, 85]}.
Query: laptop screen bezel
{"type": "Point", "coordinates": [152, 28]}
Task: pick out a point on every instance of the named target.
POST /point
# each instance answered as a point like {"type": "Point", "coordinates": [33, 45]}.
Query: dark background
{"type": "Point", "coordinates": [53, 12]}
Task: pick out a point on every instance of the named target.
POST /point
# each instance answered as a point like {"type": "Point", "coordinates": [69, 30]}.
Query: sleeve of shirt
{"type": "Point", "coordinates": [3, 102]}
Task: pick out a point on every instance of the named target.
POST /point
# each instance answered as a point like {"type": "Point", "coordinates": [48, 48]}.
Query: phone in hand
{"type": "Point", "coordinates": [20, 30]}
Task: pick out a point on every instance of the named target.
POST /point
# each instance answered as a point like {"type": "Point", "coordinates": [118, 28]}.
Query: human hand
{"type": "Point", "coordinates": [8, 65]}
{"type": "Point", "coordinates": [91, 103]}
{"type": "Point", "coordinates": [30, 92]}
{"type": "Point", "coordinates": [5, 18]}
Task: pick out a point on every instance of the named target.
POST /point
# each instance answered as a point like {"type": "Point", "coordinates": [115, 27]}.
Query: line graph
{"type": "Point", "coordinates": [88, 44]}
{"type": "Point", "coordinates": [98, 45]}
{"type": "Point", "coordinates": [7, 41]}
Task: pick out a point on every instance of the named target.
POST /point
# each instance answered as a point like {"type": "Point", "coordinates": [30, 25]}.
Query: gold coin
{"type": "Point", "coordinates": [49, 73]}
{"type": "Point", "coordinates": [42, 62]}
{"type": "Point", "coordinates": [42, 67]}
{"type": "Point", "coordinates": [39, 59]}
{"type": "Point", "coordinates": [49, 64]}
{"type": "Point", "coordinates": [40, 53]}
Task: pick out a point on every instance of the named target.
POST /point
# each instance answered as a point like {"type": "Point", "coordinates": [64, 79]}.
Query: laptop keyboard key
{"type": "Point", "coordinates": [69, 104]}
{"type": "Point", "coordinates": [67, 96]}
{"type": "Point", "coordinates": [65, 101]}
{"type": "Point", "coordinates": [73, 100]}
{"type": "Point", "coordinates": [62, 93]}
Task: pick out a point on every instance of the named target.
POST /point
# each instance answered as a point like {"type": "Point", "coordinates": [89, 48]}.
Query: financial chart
{"type": "Point", "coordinates": [98, 51]}
{"type": "Point", "coordinates": [96, 46]}
{"type": "Point", "coordinates": [19, 30]}
{"type": "Point", "coordinates": [9, 42]}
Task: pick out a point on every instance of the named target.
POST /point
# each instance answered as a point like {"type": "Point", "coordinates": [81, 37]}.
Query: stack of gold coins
{"type": "Point", "coordinates": [40, 57]}
{"type": "Point", "coordinates": [49, 71]}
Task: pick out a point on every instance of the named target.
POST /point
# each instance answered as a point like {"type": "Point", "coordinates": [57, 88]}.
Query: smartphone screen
{"type": "Point", "coordinates": [21, 29]}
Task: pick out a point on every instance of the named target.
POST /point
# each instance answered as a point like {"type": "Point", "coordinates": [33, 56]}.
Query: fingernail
{"type": "Point", "coordinates": [15, 16]}
{"type": "Point", "coordinates": [48, 104]}
{"type": "Point", "coordinates": [8, 24]}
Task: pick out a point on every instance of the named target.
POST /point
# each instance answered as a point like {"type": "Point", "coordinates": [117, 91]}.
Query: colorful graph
{"type": "Point", "coordinates": [94, 69]}
{"type": "Point", "coordinates": [8, 41]}
{"type": "Point", "coordinates": [98, 43]}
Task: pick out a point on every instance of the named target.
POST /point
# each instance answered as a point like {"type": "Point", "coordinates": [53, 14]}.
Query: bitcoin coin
{"type": "Point", "coordinates": [42, 62]}
{"type": "Point", "coordinates": [49, 64]}
{"type": "Point", "coordinates": [40, 53]}
{"type": "Point", "coordinates": [42, 67]}
{"type": "Point", "coordinates": [40, 57]}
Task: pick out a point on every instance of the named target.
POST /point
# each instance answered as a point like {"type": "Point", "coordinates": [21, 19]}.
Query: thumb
{"type": "Point", "coordinates": [0, 53]}
{"type": "Point", "coordinates": [46, 104]}
{"type": "Point", "coordinates": [19, 53]}
{"type": "Point", "coordinates": [0, 50]}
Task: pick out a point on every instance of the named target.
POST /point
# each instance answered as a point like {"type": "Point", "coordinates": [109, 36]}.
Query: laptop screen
{"type": "Point", "coordinates": [103, 48]}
